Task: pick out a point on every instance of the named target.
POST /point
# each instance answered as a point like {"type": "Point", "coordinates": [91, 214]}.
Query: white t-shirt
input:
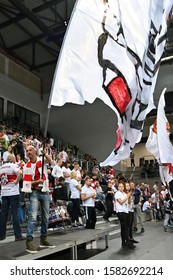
{"type": "Point", "coordinates": [121, 207]}
{"type": "Point", "coordinates": [78, 174]}
{"type": "Point", "coordinates": [154, 198]}
{"type": "Point", "coordinates": [57, 171]}
{"type": "Point", "coordinates": [88, 191]}
{"type": "Point", "coordinates": [75, 193]}
{"type": "Point", "coordinates": [67, 171]}
{"type": "Point", "coordinates": [5, 156]}
{"type": "Point", "coordinates": [146, 205]}
{"type": "Point", "coordinates": [8, 173]}
{"type": "Point", "coordinates": [64, 155]}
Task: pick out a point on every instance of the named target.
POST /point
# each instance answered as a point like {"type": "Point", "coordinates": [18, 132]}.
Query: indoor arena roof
{"type": "Point", "coordinates": [31, 31]}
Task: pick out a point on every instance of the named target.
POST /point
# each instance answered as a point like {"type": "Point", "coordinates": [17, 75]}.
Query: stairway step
{"type": "Point", "coordinates": [111, 219]}
{"type": "Point", "coordinates": [114, 234]}
{"type": "Point", "coordinates": [107, 226]}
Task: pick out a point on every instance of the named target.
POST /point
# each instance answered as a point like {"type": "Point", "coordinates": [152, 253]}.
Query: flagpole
{"type": "Point", "coordinates": [47, 122]}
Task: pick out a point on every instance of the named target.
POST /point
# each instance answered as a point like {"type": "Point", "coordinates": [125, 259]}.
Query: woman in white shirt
{"type": "Point", "coordinates": [57, 171]}
{"type": "Point", "coordinates": [130, 212]}
{"type": "Point", "coordinates": [66, 174]}
{"type": "Point", "coordinates": [88, 195]}
{"type": "Point", "coordinates": [122, 213]}
{"type": "Point", "coordinates": [75, 189]}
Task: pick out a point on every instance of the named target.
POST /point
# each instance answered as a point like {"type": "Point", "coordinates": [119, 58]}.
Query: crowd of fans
{"type": "Point", "coordinates": [81, 189]}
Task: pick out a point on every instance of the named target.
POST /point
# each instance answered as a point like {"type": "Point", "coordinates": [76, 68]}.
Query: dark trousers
{"type": "Point", "coordinates": [13, 202]}
{"type": "Point", "coordinates": [171, 191]}
{"type": "Point", "coordinates": [90, 215]}
{"type": "Point", "coordinates": [130, 224]}
{"type": "Point", "coordinates": [158, 212]}
{"type": "Point", "coordinates": [76, 209]}
{"type": "Point", "coordinates": [123, 218]}
{"type": "Point", "coordinates": [109, 209]}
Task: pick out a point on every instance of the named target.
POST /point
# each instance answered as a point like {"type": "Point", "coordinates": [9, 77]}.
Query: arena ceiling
{"type": "Point", "coordinates": [31, 31]}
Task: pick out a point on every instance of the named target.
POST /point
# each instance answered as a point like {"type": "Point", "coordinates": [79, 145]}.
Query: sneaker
{"type": "Point", "coordinates": [74, 225]}
{"type": "Point", "coordinates": [142, 230]}
{"type": "Point", "coordinates": [80, 225]}
{"type": "Point", "coordinates": [45, 244]}
{"type": "Point", "coordinates": [165, 229]}
{"type": "Point", "coordinates": [134, 241]}
{"type": "Point", "coordinates": [2, 237]}
{"type": "Point", "coordinates": [21, 238]}
{"type": "Point", "coordinates": [30, 247]}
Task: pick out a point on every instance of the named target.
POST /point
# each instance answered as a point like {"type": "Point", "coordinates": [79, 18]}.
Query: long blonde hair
{"type": "Point", "coordinates": [73, 175]}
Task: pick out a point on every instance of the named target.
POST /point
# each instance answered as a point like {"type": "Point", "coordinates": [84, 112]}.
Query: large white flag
{"type": "Point", "coordinates": [158, 142]}
{"type": "Point", "coordinates": [112, 51]}
{"type": "Point", "coordinates": [163, 132]}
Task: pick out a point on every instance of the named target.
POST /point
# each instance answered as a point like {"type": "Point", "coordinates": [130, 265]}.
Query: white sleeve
{"type": "Point", "coordinates": [54, 171]}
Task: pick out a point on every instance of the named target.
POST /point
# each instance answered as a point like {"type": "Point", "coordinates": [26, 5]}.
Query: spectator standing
{"type": "Point", "coordinates": [109, 196]}
{"type": "Point", "coordinates": [57, 170]}
{"type": "Point", "coordinates": [77, 170]}
{"type": "Point", "coordinates": [88, 196]}
{"type": "Point", "coordinates": [75, 189]}
{"type": "Point", "coordinates": [17, 145]}
{"type": "Point", "coordinates": [132, 157]}
{"type": "Point", "coordinates": [54, 159]}
{"type": "Point", "coordinates": [122, 213]}
{"type": "Point", "coordinates": [158, 203]}
{"type": "Point", "coordinates": [130, 213]}
{"type": "Point", "coordinates": [10, 176]}
{"type": "Point", "coordinates": [4, 141]}
{"type": "Point", "coordinates": [48, 150]}
{"type": "Point", "coordinates": [39, 195]}
{"type": "Point", "coordinates": [63, 155]}
{"type": "Point", "coordinates": [6, 153]}
{"type": "Point", "coordinates": [66, 174]}
{"type": "Point", "coordinates": [168, 205]}
{"type": "Point", "coordinates": [137, 196]}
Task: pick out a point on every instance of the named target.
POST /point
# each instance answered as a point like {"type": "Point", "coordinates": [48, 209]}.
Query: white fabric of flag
{"type": "Point", "coordinates": [113, 53]}
{"type": "Point", "coordinates": [164, 144]}
{"type": "Point", "coordinates": [152, 144]}
{"type": "Point", "coordinates": [158, 142]}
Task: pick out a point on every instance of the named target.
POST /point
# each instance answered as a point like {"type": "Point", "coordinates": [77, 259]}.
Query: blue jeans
{"type": "Point", "coordinates": [42, 199]}
{"type": "Point", "coordinates": [13, 202]}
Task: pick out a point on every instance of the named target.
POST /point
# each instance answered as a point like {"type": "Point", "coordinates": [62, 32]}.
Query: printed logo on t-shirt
{"type": "Point", "coordinates": [4, 179]}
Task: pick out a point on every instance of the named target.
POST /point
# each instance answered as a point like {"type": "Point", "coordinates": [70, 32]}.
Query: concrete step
{"type": "Point", "coordinates": [112, 219]}
{"type": "Point", "coordinates": [113, 226]}
{"type": "Point", "coordinates": [114, 234]}
{"type": "Point", "coordinates": [107, 225]}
